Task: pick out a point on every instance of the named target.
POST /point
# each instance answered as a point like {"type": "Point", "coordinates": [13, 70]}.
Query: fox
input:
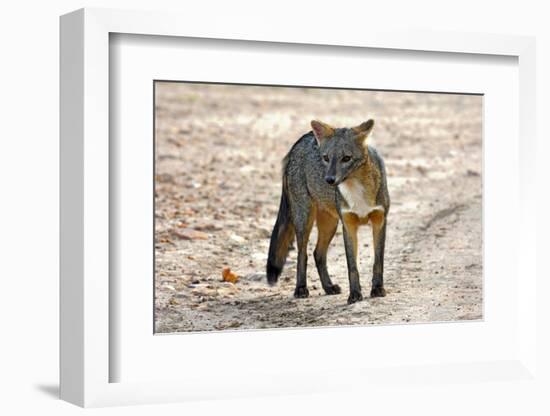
{"type": "Point", "coordinates": [330, 175]}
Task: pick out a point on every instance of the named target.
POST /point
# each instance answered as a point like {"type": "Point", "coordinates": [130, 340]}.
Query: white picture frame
{"type": "Point", "coordinates": [86, 355]}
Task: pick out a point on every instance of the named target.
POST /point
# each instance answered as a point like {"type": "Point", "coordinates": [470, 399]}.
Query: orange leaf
{"type": "Point", "coordinates": [229, 276]}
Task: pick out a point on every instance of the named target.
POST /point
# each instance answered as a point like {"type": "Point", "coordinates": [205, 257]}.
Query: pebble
{"type": "Point", "coordinates": [190, 234]}
{"type": "Point", "coordinates": [227, 291]}
{"type": "Point", "coordinates": [264, 232]}
{"type": "Point", "coordinates": [255, 277]}
{"type": "Point", "coordinates": [260, 256]}
{"type": "Point", "coordinates": [203, 291]}
{"type": "Point", "coordinates": [237, 238]}
{"type": "Point", "coordinates": [247, 169]}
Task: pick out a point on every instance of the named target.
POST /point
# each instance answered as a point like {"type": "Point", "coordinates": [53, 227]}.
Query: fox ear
{"type": "Point", "coordinates": [321, 130]}
{"type": "Point", "coordinates": [363, 130]}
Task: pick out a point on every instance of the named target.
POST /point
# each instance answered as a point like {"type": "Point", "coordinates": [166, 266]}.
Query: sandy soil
{"type": "Point", "coordinates": [218, 154]}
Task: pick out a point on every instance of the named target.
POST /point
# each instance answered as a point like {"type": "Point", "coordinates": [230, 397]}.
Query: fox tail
{"type": "Point", "coordinates": [281, 237]}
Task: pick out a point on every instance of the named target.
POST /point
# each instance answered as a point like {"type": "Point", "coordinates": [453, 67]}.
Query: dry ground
{"type": "Point", "coordinates": [218, 154]}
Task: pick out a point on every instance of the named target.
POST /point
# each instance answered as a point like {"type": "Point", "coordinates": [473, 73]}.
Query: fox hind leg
{"type": "Point", "coordinates": [326, 226]}
{"type": "Point", "coordinates": [303, 222]}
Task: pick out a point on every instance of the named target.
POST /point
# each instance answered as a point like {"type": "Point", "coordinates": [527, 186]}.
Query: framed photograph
{"type": "Point", "coordinates": [278, 212]}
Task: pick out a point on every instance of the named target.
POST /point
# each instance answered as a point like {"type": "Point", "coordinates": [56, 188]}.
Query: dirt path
{"type": "Point", "coordinates": [218, 156]}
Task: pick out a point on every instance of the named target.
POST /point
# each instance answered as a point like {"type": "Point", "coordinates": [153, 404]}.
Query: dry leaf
{"type": "Point", "coordinates": [229, 276]}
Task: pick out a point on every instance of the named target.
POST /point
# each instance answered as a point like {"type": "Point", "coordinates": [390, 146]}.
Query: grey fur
{"type": "Point", "coordinates": [312, 161]}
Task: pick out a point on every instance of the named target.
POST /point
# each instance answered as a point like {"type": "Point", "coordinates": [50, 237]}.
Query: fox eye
{"type": "Point", "coordinates": [346, 159]}
{"type": "Point", "coordinates": [325, 158]}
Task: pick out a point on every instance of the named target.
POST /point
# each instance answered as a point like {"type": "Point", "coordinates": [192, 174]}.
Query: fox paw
{"type": "Point", "coordinates": [354, 297]}
{"type": "Point", "coordinates": [333, 290]}
{"type": "Point", "coordinates": [378, 292]}
{"type": "Point", "coordinates": [301, 292]}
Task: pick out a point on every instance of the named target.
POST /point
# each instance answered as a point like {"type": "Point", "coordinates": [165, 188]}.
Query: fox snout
{"type": "Point", "coordinates": [331, 174]}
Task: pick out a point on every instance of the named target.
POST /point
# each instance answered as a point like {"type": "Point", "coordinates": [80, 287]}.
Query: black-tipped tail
{"type": "Point", "coordinates": [282, 235]}
{"type": "Point", "coordinates": [273, 272]}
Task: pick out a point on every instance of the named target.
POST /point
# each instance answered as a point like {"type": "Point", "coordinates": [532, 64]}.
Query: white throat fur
{"type": "Point", "coordinates": [353, 191]}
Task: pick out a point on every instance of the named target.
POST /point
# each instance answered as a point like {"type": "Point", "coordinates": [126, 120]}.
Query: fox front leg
{"type": "Point", "coordinates": [350, 226]}
{"type": "Point", "coordinates": [326, 228]}
{"type": "Point", "coordinates": [378, 222]}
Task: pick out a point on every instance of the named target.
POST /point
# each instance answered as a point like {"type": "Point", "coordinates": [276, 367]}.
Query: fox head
{"type": "Point", "coordinates": [343, 150]}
